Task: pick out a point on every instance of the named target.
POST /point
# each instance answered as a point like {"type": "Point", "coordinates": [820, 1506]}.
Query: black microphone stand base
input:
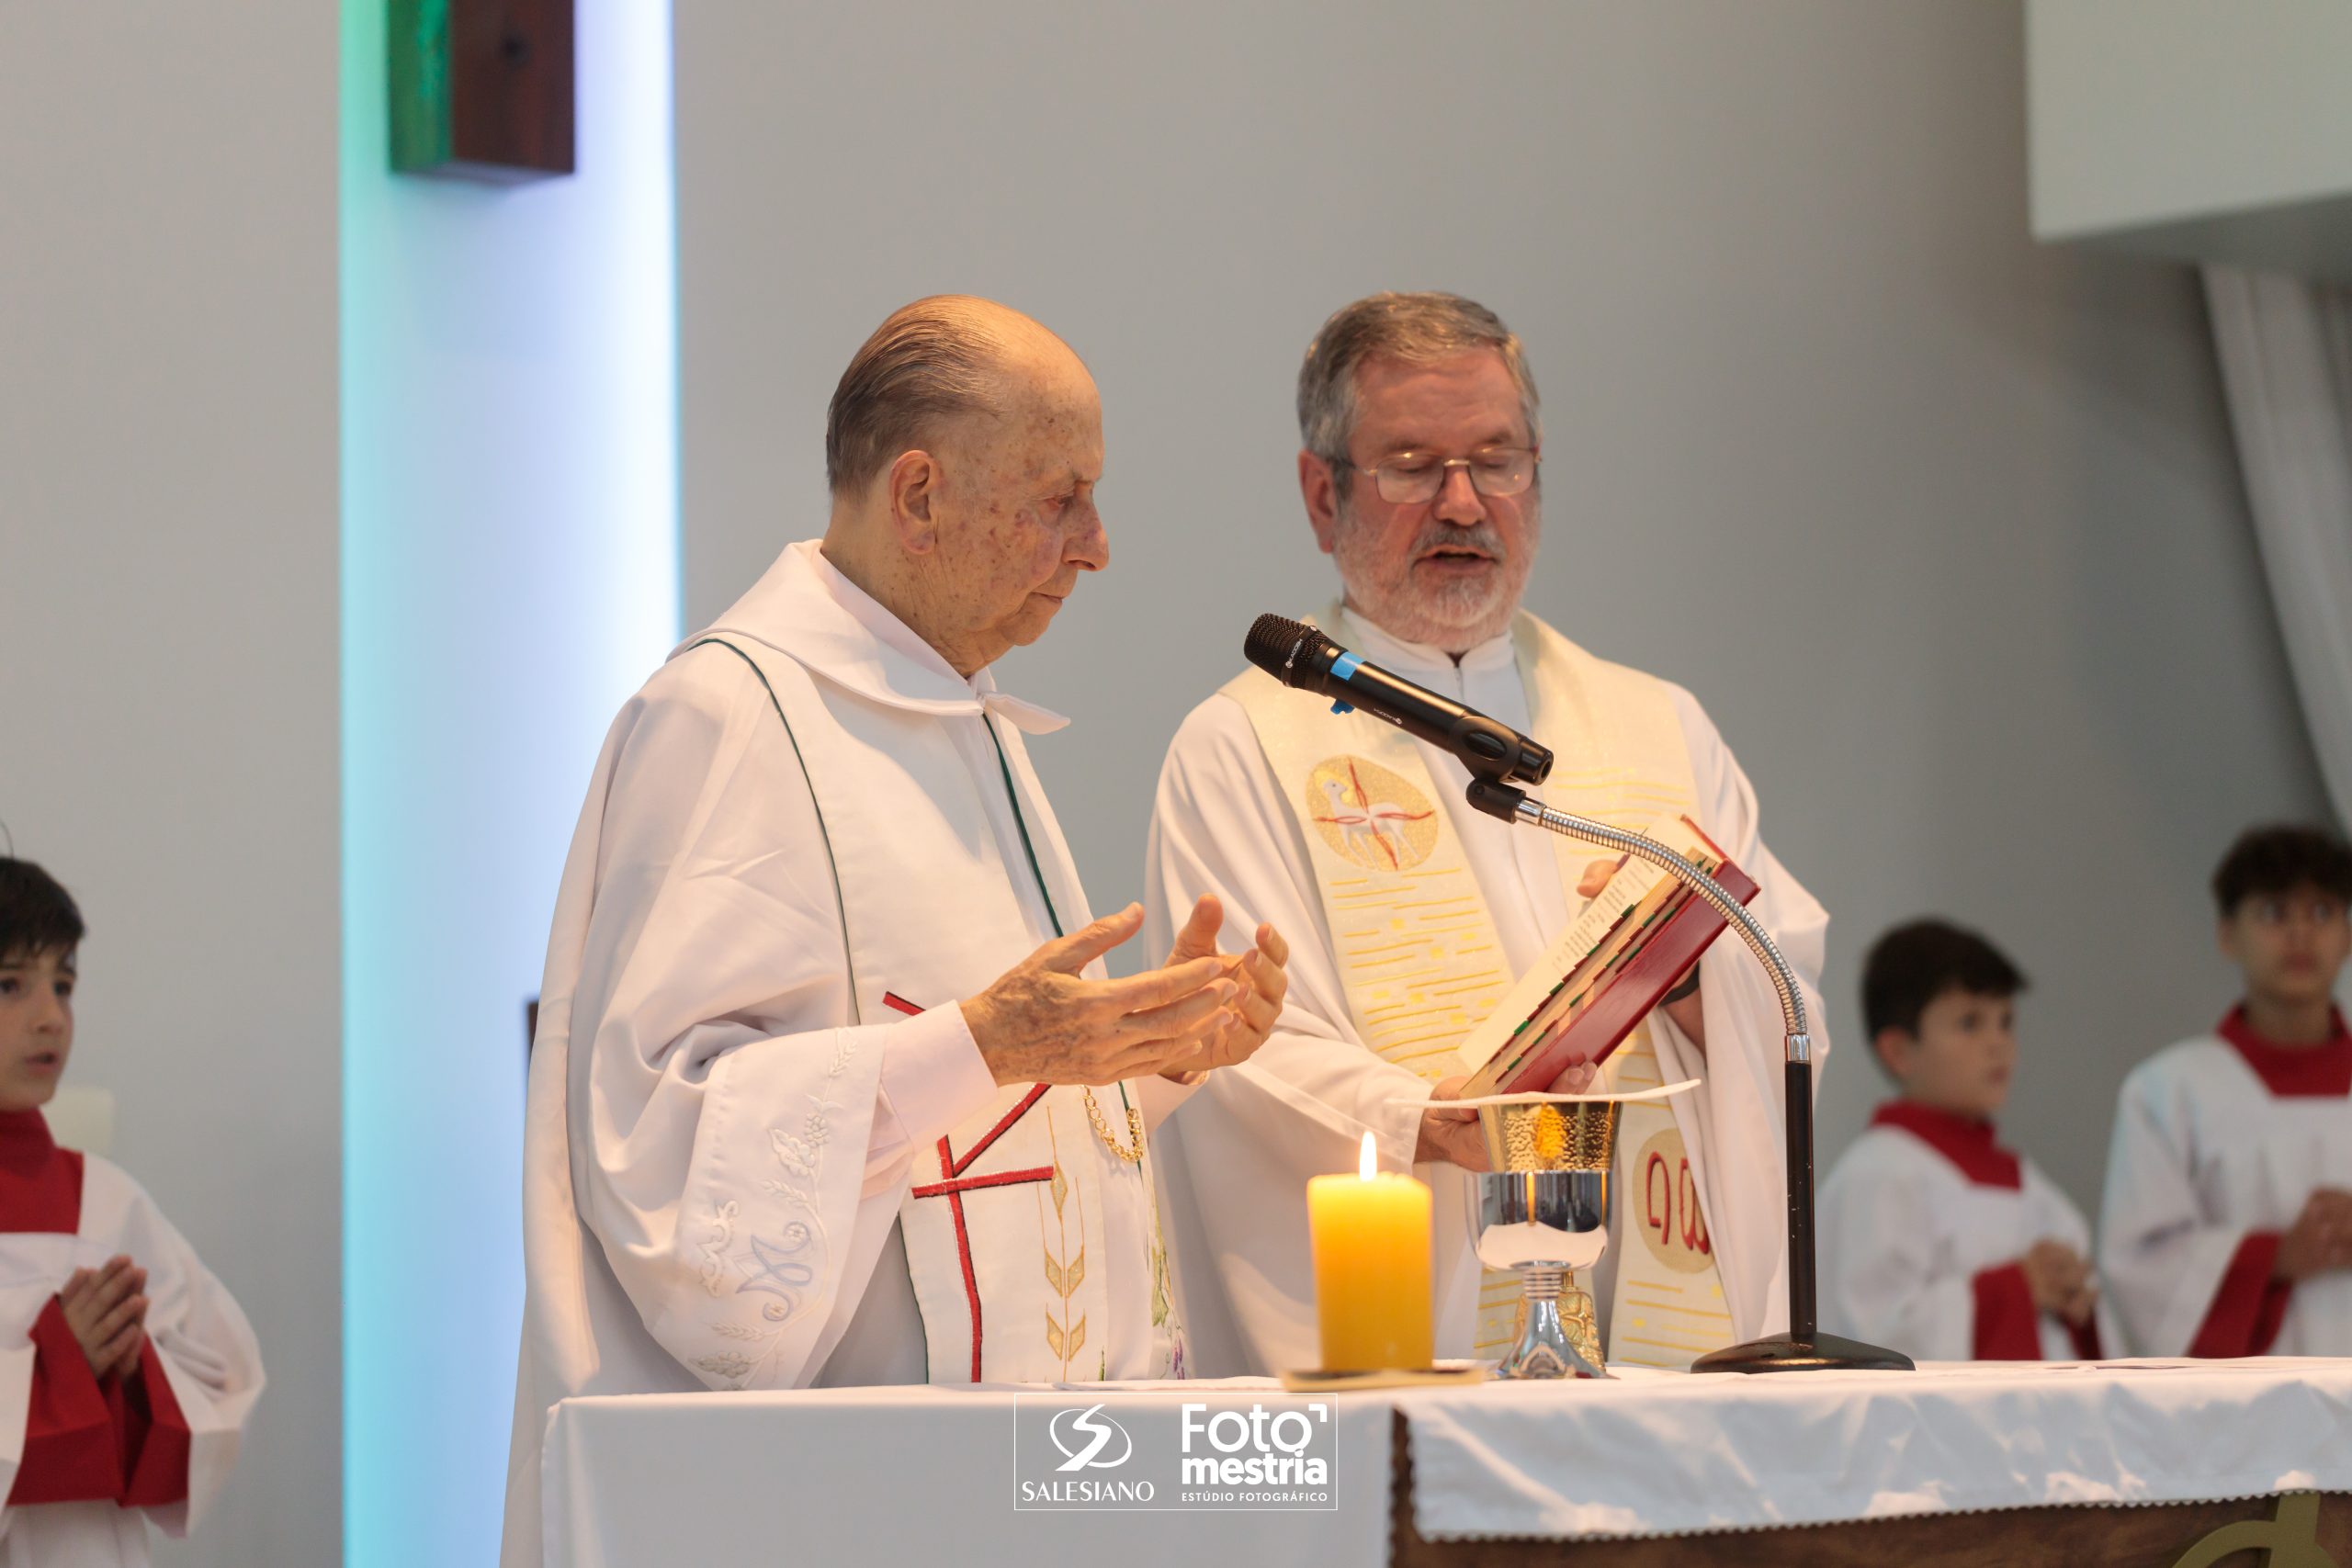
{"type": "Point", "coordinates": [1786, 1353]}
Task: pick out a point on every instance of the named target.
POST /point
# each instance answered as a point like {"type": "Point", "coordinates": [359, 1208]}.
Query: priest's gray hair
{"type": "Point", "coordinates": [931, 364]}
{"type": "Point", "coordinates": [1416, 328]}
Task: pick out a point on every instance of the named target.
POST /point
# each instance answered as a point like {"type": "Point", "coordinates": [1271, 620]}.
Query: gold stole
{"type": "Point", "coordinates": [1668, 1307]}
{"type": "Point", "coordinates": [1417, 950]}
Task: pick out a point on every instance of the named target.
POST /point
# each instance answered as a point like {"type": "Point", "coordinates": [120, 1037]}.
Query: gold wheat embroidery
{"type": "Point", "coordinates": [1064, 1272]}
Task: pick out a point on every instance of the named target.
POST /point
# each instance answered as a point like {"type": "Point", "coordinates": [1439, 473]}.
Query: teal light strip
{"type": "Point", "coordinates": [509, 575]}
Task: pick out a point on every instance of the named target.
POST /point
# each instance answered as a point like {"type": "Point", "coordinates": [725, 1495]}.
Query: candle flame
{"type": "Point", "coordinates": [1368, 1162]}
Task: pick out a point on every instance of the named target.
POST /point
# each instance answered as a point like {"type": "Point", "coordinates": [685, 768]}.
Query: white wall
{"type": "Point", "coordinates": [2152, 109]}
{"type": "Point", "coordinates": [2185, 128]}
{"type": "Point", "coordinates": [1944, 528]}
{"type": "Point", "coordinates": [167, 644]}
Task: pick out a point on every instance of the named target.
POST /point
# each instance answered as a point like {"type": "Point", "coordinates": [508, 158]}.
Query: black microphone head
{"type": "Point", "coordinates": [1277, 645]}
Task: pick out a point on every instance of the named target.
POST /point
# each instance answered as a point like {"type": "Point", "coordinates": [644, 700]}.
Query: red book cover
{"type": "Point", "coordinates": [1598, 1023]}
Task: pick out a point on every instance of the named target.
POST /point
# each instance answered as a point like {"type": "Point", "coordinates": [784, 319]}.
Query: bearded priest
{"type": "Point", "coordinates": [829, 1085]}
{"type": "Point", "coordinates": [1414, 913]}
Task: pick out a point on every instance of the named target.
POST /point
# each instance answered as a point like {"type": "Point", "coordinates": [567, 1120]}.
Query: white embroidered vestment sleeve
{"type": "Point", "coordinates": [732, 1136]}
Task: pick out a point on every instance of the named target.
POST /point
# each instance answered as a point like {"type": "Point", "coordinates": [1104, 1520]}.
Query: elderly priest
{"type": "Point", "coordinates": [828, 1086]}
{"type": "Point", "coordinates": [1418, 417]}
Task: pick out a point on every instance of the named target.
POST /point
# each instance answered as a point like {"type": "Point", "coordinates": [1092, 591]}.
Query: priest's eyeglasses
{"type": "Point", "coordinates": [1407, 479]}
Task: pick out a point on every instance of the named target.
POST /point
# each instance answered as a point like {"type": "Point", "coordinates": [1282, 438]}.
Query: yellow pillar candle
{"type": "Point", "coordinates": [1371, 1267]}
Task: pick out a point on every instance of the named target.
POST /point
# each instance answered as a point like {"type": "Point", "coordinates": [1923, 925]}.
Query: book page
{"type": "Point", "coordinates": [1636, 900]}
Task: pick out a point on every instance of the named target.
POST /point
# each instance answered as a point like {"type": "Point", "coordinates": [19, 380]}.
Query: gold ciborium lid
{"type": "Point", "coordinates": [1550, 1134]}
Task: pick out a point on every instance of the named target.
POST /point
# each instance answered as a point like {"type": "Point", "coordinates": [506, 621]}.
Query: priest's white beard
{"type": "Point", "coordinates": [1455, 616]}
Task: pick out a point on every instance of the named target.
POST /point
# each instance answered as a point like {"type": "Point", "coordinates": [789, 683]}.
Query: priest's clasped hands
{"type": "Point", "coordinates": [1044, 1021]}
{"type": "Point", "coordinates": [106, 1310]}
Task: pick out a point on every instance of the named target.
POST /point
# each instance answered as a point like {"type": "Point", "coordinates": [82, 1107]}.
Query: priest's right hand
{"type": "Point", "coordinates": [1045, 1022]}
{"type": "Point", "coordinates": [107, 1311]}
{"type": "Point", "coordinates": [1450, 1135]}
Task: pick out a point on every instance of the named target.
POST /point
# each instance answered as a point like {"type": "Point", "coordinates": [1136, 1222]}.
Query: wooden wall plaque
{"type": "Point", "coordinates": [482, 89]}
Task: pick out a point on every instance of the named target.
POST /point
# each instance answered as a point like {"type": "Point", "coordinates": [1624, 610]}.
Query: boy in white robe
{"type": "Point", "coordinates": [126, 1369]}
{"type": "Point", "coordinates": [2228, 1224]}
{"type": "Point", "coordinates": [1933, 1238]}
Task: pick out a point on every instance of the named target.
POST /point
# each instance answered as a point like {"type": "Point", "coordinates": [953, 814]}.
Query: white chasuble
{"type": "Point", "coordinates": [762, 1150]}
{"type": "Point", "coordinates": [2218, 1142]}
{"type": "Point", "coordinates": [1025, 1225]}
{"type": "Point", "coordinates": [1423, 912]}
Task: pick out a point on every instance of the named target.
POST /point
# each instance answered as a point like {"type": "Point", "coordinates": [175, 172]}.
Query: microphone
{"type": "Point", "coordinates": [1298, 655]}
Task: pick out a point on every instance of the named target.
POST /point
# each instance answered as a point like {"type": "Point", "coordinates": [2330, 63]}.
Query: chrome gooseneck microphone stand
{"type": "Point", "coordinates": [1803, 1347]}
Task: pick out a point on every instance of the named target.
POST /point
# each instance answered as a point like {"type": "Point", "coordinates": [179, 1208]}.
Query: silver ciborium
{"type": "Point", "coordinates": [1543, 1212]}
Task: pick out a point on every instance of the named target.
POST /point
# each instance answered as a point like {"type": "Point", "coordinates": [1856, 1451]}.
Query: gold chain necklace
{"type": "Point", "coordinates": [1102, 1130]}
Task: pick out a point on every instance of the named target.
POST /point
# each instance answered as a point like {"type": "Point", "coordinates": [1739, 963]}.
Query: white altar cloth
{"type": "Point", "coordinates": [1670, 1453]}
{"type": "Point", "coordinates": [890, 1475]}
{"type": "Point", "coordinates": [874, 1476]}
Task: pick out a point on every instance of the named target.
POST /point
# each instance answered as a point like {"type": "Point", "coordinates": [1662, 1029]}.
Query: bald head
{"type": "Point", "coordinates": [933, 368]}
{"type": "Point", "coordinates": [963, 449]}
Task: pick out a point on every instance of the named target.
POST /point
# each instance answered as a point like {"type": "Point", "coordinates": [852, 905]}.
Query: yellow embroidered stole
{"type": "Point", "coordinates": [1416, 948]}
{"type": "Point", "coordinates": [1669, 1308]}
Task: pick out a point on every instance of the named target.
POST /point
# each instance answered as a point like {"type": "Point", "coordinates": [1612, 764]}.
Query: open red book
{"type": "Point", "coordinates": [1605, 971]}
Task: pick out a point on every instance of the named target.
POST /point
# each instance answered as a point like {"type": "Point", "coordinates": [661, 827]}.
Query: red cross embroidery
{"type": "Point", "coordinates": [953, 1183]}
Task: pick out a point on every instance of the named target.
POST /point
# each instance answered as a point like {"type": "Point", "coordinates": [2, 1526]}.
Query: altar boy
{"type": "Point", "coordinates": [2228, 1225]}
{"type": "Point", "coordinates": [1936, 1240]}
{"type": "Point", "coordinates": [126, 1370]}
